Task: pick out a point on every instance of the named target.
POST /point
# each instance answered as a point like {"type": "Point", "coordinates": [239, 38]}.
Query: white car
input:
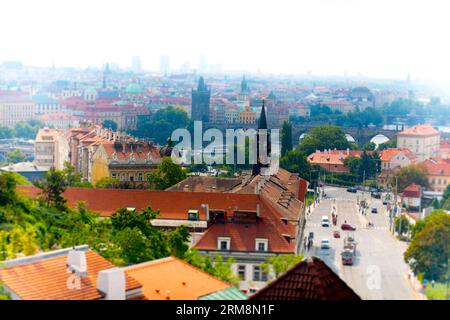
{"type": "Point", "coordinates": [325, 221]}
{"type": "Point", "coordinates": [325, 244]}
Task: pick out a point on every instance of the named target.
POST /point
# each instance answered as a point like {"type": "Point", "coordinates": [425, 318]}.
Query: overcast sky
{"type": "Point", "coordinates": [379, 38]}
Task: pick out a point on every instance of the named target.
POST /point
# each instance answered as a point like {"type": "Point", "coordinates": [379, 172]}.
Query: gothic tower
{"type": "Point", "coordinates": [200, 102]}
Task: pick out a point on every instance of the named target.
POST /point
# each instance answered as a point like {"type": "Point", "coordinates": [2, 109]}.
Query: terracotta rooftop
{"type": "Point", "coordinates": [421, 130]}
{"type": "Point", "coordinates": [173, 279]}
{"type": "Point", "coordinates": [437, 167]}
{"type": "Point", "coordinates": [47, 278]}
{"type": "Point", "coordinates": [310, 279]}
{"type": "Point", "coordinates": [206, 184]}
{"type": "Point", "coordinates": [388, 154]}
{"type": "Point", "coordinates": [172, 204]}
{"type": "Point", "coordinates": [412, 191]}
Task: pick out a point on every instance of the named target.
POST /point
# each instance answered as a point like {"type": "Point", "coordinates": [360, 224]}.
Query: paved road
{"type": "Point", "coordinates": [379, 271]}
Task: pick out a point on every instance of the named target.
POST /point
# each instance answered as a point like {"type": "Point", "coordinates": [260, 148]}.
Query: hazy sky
{"type": "Point", "coordinates": [377, 38]}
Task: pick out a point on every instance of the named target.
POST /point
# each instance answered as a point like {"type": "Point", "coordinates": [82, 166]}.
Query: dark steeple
{"type": "Point", "coordinates": [262, 124]}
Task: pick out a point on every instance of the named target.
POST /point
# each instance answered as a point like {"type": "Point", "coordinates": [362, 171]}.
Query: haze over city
{"type": "Point", "coordinates": [225, 150]}
{"type": "Point", "coordinates": [382, 39]}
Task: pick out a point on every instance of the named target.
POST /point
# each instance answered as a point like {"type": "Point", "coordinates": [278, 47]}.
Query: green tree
{"type": "Point", "coordinates": [15, 156]}
{"type": "Point", "coordinates": [429, 250]}
{"type": "Point", "coordinates": [110, 124]}
{"type": "Point", "coordinates": [282, 263]}
{"type": "Point", "coordinates": [286, 138]}
{"type": "Point", "coordinates": [324, 137]}
{"type": "Point", "coordinates": [74, 178]}
{"type": "Point", "coordinates": [6, 133]}
{"type": "Point", "coordinates": [160, 126]}
{"type": "Point", "coordinates": [166, 175]}
{"type": "Point", "coordinates": [401, 225]}
{"type": "Point", "coordinates": [353, 164]}
{"type": "Point", "coordinates": [107, 182]}
{"type": "Point", "coordinates": [53, 186]}
{"type": "Point", "coordinates": [369, 146]}
{"type": "Point", "coordinates": [27, 129]}
{"type": "Point", "coordinates": [295, 161]}
{"type": "Point", "coordinates": [389, 144]}
{"type": "Point", "coordinates": [8, 183]}
{"type": "Point", "coordinates": [412, 174]}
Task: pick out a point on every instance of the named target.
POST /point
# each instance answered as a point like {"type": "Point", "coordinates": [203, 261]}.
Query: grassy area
{"type": "Point", "coordinates": [437, 292]}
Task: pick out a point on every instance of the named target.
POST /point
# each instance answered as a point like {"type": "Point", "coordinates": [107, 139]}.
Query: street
{"type": "Point", "coordinates": [379, 271]}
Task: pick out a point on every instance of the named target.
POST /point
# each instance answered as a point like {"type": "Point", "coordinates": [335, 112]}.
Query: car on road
{"type": "Point", "coordinates": [374, 210]}
{"type": "Point", "coordinates": [325, 244]}
{"type": "Point", "coordinates": [325, 221]}
{"type": "Point", "coordinates": [336, 234]}
{"type": "Point", "coordinates": [346, 226]}
{"type": "Point", "coordinates": [376, 195]}
{"type": "Point", "coordinates": [385, 202]}
{"type": "Point", "coordinates": [347, 257]}
{"type": "Point", "coordinates": [351, 189]}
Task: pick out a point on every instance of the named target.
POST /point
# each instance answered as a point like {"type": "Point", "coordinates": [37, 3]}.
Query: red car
{"type": "Point", "coordinates": [346, 226]}
{"type": "Point", "coordinates": [336, 234]}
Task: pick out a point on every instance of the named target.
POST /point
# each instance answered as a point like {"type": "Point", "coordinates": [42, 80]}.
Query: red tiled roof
{"type": "Point", "coordinates": [47, 279]}
{"type": "Point", "coordinates": [412, 191]}
{"type": "Point", "coordinates": [139, 151]}
{"type": "Point", "coordinates": [268, 226]}
{"type": "Point", "coordinates": [311, 279]}
{"type": "Point", "coordinates": [172, 204]}
{"type": "Point", "coordinates": [421, 130]}
{"type": "Point", "coordinates": [388, 154]}
{"type": "Point", "coordinates": [437, 167]}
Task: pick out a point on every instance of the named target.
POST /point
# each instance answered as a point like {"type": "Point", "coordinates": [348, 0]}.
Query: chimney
{"type": "Point", "coordinates": [76, 262]}
{"type": "Point", "coordinates": [348, 151]}
{"type": "Point", "coordinates": [111, 283]}
{"type": "Point", "coordinates": [257, 210]}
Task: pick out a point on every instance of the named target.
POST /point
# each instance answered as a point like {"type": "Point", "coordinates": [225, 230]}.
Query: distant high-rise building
{"type": "Point", "coordinates": [164, 64]}
{"type": "Point", "coordinates": [136, 65]}
{"type": "Point", "coordinates": [200, 102]}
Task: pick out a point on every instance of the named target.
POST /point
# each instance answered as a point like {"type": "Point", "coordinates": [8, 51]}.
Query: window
{"type": "Point", "coordinates": [223, 244]}
{"type": "Point", "coordinates": [241, 272]}
{"type": "Point", "coordinates": [140, 176]}
{"type": "Point", "coordinates": [131, 177]}
{"type": "Point", "coordinates": [259, 274]}
{"type": "Point", "coordinates": [261, 245]}
{"type": "Point", "coordinates": [193, 215]}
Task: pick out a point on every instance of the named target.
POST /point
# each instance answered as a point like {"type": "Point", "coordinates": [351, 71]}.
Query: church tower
{"type": "Point", "coordinates": [200, 102]}
{"type": "Point", "coordinates": [262, 125]}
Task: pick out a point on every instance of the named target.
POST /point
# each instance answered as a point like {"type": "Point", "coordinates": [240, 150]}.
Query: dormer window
{"type": "Point", "coordinates": [223, 243]}
{"type": "Point", "coordinates": [261, 245]}
{"type": "Point", "coordinates": [193, 215]}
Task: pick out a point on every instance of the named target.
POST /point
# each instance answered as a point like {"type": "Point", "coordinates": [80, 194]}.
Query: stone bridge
{"type": "Point", "coordinates": [361, 135]}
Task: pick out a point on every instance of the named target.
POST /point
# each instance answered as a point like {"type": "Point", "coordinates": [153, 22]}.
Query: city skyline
{"type": "Point", "coordinates": [323, 37]}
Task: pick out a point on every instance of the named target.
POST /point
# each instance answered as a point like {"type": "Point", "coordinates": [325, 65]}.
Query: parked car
{"type": "Point", "coordinates": [374, 210]}
{"type": "Point", "coordinates": [346, 226]}
{"type": "Point", "coordinates": [385, 202]}
{"type": "Point", "coordinates": [376, 195]}
{"type": "Point", "coordinates": [351, 189]}
{"type": "Point", "coordinates": [336, 234]}
{"type": "Point", "coordinates": [325, 244]}
{"type": "Point", "coordinates": [325, 221]}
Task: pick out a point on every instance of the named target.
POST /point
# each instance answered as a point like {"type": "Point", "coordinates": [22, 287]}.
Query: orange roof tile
{"type": "Point", "coordinates": [47, 279]}
{"type": "Point", "coordinates": [171, 278]}
{"type": "Point", "coordinates": [421, 130]}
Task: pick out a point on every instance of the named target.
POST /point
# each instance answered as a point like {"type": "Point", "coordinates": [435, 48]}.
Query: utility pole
{"type": "Point", "coordinates": [395, 205]}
